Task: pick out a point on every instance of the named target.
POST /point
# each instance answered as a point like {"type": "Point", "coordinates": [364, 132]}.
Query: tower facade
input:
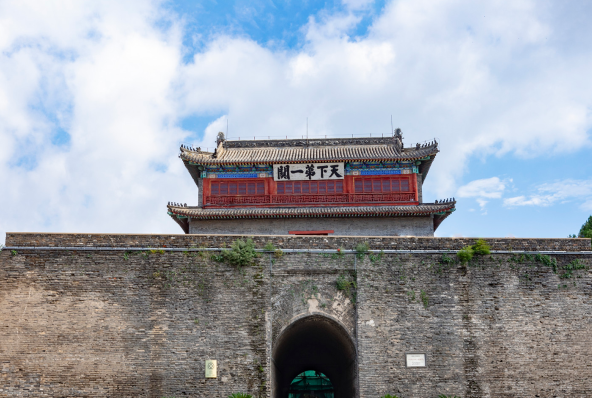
{"type": "Point", "coordinates": [343, 186]}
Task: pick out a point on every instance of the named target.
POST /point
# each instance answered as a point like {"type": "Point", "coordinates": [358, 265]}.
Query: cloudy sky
{"type": "Point", "coordinates": [97, 96]}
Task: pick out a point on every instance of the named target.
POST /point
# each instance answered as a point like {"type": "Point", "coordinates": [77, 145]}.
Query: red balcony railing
{"type": "Point", "coordinates": [237, 200]}
{"type": "Point", "coordinates": [309, 199]}
{"type": "Point", "coordinates": [302, 199]}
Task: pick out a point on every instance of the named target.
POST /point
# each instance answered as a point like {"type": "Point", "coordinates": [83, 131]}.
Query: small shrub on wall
{"type": "Point", "coordinates": [241, 253]}
{"type": "Point", "coordinates": [480, 248]}
{"type": "Point", "coordinates": [465, 254]}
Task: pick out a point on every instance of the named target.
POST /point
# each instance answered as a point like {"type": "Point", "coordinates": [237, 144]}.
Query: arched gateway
{"type": "Point", "coordinates": [318, 343]}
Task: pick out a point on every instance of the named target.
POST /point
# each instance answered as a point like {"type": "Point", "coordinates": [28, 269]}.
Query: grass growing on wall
{"type": "Point", "coordinates": [424, 299]}
{"type": "Point", "coordinates": [361, 249]}
{"type": "Point", "coordinates": [347, 284]}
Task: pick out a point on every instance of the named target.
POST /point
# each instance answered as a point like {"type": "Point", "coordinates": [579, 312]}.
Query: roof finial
{"type": "Point", "coordinates": [398, 138]}
{"type": "Point", "coordinates": [220, 138]}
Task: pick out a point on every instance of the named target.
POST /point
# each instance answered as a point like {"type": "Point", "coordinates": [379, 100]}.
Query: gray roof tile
{"type": "Point", "coordinates": [300, 151]}
{"type": "Point", "coordinates": [341, 211]}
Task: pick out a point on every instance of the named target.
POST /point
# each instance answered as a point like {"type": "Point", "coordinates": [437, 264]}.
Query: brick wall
{"type": "Point", "coordinates": [389, 226]}
{"type": "Point", "coordinates": [111, 324]}
{"type": "Point", "coordinates": [291, 242]}
{"type": "Point", "coordinates": [505, 326]}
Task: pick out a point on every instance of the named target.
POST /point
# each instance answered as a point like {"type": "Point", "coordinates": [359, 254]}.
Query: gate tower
{"type": "Point", "coordinates": [344, 186]}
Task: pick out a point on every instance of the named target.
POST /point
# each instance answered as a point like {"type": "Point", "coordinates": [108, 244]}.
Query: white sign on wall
{"type": "Point", "coordinates": [308, 171]}
{"type": "Point", "coordinates": [415, 360]}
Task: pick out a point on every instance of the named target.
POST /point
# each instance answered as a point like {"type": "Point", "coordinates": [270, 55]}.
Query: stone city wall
{"type": "Point", "coordinates": [289, 241]}
{"type": "Point", "coordinates": [390, 226]}
{"type": "Point", "coordinates": [106, 323]}
{"type": "Point", "coordinates": [109, 324]}
{"type": "Point", "coordinates": [505, 325]}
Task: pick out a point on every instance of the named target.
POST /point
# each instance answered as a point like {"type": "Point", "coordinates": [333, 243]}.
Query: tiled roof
{"type": "Point", "coordinates": [298, 212]}
{"type": "Point", "coordinates": [301, 151]}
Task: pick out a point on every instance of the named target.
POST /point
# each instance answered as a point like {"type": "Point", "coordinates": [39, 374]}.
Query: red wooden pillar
{"type": "Point", "coordinates": [271, 186]}
{"type": "Point", "coordinates": [348, 185]}
{"type": "Point", "coordinates": [206, 188]}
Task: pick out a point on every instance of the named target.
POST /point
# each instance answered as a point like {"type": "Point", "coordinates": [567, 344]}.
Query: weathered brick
{"type": "Point", "coordinates": [111, 324]}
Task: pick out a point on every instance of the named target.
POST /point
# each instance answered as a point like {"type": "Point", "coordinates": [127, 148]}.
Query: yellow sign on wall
{"type": "Point", "coordinates": [211, 368]}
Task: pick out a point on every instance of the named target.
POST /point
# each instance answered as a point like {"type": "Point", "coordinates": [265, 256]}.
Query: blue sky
{"type": "Point", "coordinates": [276, 24]}
{"type": "Point", "coordinates": [95, 98]}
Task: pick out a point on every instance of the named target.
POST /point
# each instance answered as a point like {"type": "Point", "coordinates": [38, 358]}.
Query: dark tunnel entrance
{"type": "Point", "coordinates": [315, 343]}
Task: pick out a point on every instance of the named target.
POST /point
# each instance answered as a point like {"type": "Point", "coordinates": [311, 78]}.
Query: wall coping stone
{"type": "Point", "coordinates": [32, 239]}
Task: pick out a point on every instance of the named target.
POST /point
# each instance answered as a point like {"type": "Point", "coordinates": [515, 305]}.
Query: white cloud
{"type": "Point", "coordinates": [357, 4]}
{"type": "Point", "coordinates": [482, 203]}
{"type": "Point", "coordinates": [102, 73]}
{"type": "Point", "coordinates": [523, 201]}
{"type": "Point", "coordinates": [483, 77]}
{"type": "Point", "coordinates": [492, 188]}
{"type": "Point", "coordinates": [557, 192]}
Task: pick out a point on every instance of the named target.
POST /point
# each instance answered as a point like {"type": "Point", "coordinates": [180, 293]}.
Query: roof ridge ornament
{"type": "Point", "coordinates": [398, 137]}
{"type": "Point", "coordinates": [220, 138]}
{"type": "Point", "coordinates": [312, 142]}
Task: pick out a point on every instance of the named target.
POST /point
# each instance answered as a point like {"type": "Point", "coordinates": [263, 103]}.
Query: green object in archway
{"type": "Point", "coordinates": [311, 384]}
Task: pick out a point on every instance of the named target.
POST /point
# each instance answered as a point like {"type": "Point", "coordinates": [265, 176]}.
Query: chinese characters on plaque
{"type": "Point", "coordinates": [308, 171]}
{"type": "Point", "coordinates": [415, 360]}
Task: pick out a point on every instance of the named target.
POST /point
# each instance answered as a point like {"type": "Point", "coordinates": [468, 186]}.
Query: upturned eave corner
{"type": "Point", "coordinates": [182, 221]}
{"type": "Point", "coordinates": [194, 171]}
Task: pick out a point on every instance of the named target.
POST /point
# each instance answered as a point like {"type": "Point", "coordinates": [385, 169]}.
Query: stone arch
{"type": "Point", "coordinates": [315, 342]}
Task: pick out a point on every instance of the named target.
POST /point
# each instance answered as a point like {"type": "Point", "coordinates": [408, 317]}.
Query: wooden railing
{"type": "Point", "coordinates": [309, 199]}
{"type": "Point", "coordinates": [237, 200]}
{"type": "Point", "coordinates": [302, 199]}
